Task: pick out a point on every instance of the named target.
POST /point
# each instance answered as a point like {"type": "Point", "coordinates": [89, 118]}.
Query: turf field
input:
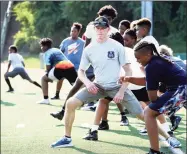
{"type": "Point", "coordinates": [27, 128]}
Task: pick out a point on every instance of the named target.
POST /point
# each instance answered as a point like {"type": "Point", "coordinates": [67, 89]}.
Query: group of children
{"type": "Point", "coordinates": [140, 77]}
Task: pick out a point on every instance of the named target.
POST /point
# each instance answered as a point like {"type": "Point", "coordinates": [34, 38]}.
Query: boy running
{"type": "Point", "coordinates": [17, 62]}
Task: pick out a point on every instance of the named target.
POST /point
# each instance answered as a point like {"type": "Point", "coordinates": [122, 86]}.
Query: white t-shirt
{"type": "Point", "coordinates": [107, 59]}
{"type": "Point", "coordinates": [151, 39]}
{"type": "Point", "coordinates": [135, 66]}
{"type": "Point", "coordinates": [91, 34]}
{"type": "Point", "coordinates": [16, 60]}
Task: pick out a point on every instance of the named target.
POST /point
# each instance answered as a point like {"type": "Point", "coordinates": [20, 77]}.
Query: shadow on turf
{"type": "Point", "coordinates": [7, 103]}
{"type": "Point", "coordinates": [83, 150]}
{"type": "Point", "coordinates": [29, 93]}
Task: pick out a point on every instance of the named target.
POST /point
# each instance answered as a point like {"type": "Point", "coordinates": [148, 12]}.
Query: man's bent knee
{"type": "Point", "coordinates": [73, 103]}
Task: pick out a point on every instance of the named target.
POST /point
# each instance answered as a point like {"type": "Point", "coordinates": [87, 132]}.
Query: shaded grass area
{"type": "Point", "coordinates": [38, 129]}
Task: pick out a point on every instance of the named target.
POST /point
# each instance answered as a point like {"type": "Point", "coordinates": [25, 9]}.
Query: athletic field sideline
{"type": "Point", "coordinates": [27, 128]}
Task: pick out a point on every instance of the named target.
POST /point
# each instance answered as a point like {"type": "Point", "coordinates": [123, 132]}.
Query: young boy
{"type": "Point", "coordinates": [158, 69]}
{"type": "Point", "coordinates": [16, 61]}
{"type": "Point", "coordinates": [130, 38]}
{"type": "Point", "coordinates": [57, 67]}
{"type": "Point", "coordinates": [72, 48]}
{"type": "Point", "coordinates": [123, 26]}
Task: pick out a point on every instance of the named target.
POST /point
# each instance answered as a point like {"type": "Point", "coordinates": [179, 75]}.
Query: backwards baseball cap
{"type": "Point", "coordinates": [101, 21]}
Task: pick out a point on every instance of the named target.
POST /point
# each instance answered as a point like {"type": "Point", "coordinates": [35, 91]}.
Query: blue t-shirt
{"type": "Point", "coordinates": [159, 70]}
{"type": "Point", "coordinates": [73, 49]}
{"type": "Point", "coordinates": [53, 56]}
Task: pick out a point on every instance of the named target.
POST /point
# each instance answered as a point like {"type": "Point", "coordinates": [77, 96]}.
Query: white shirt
{"type": "Point", "coordinates": [16, 60]}
{"type": "Point", "coordinates": [91, 34]}
{"type": "Point", "coordinates": [151, 39]}
{"type": "Point", "coordinates": [135, 66]}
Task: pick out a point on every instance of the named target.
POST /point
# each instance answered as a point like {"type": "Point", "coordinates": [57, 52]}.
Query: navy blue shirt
{"type": "Point", "coordinates": [159, 70]}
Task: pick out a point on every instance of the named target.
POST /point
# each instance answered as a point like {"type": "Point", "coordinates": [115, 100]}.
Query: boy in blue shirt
{"type": "Point", "coordinates": [57, 65]}
{"type": "Point", "coordinates": [157, 69]}
{"type": "Point", "coordinates": [72, 48]}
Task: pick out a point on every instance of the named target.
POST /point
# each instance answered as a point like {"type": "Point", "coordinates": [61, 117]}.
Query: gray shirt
{"type": "Point", "coordinates": [106, 59]}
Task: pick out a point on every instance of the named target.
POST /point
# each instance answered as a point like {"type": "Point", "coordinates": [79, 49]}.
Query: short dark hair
{"type": "Point", "coordinates": [107, 10]}
{"type": "Point", "coordinates": [77, 25]}
{"type": "Point", "coordinates": [46, 42]}
{"type": "Point", "coordinates": [126, 23]}
{"type": "Point", "coordinates": [145, 22]}
{"type": "Point", "coordinates": [13, 47]}
{"type": "Point", "coordinates": [131, 33]}
{"type": "Point", "coordinates": [117, 36]}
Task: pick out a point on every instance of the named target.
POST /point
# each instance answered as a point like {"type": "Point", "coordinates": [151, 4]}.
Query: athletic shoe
{"type": "Point", "coordinates": [150, 152]}
{"type": "Point", "coordinates": [103, 125]}
{"type": "Point", "coordinates": [87, 106]}
{"type": "Point", "coordinates": [174, 142]}
{"type": "Point", "coordinates": [62, 143]}
{"type": "Point", "coordinates": [91, 135]}
{"type": "Point", "coordinates": [171, 133]}
{"type": "Point", "coordinates": [124, 121]}
{"type": "Point", "coordinates": [10, 90]}
{"type": "Point", "coordinates": [175, 122]}
{"type": "Point", "coordinates": [93, 108]}
{"type": "Point", "coordinates": [55, 97]}
{"type": "Point", "coordinates": [44, 101]}
{"type": "Point", "coordinates": [143, 132]}
{"type": "Point", "coordinates": [58, 115]}
{"type": "Point", "coordinates": [126, 111]}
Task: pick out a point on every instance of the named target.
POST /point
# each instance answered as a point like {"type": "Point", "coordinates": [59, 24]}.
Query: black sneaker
{"type": "Point", "coordinates": [58, 115]}
{"type": "Point", "coordinates": [126, 111]}
{"type": "Point", "coordinates": [55, 97]}
{"type": "Point", "coordinates": [175, 123]}
{"type": "Point", "coordinates": [150, 152]}
{"type": "Point", "coordinates": [93, 108]}
{"type": "Point", "coordinates": [124, 121]}
{"type": "Point", "coordinates": [171, 133]}
{"type": "Point", "coordinates": [103, 125]}
{"type": "Point", "coordinates": [91, 135]}
{"type": "Point", "coordinates": [10, 90]}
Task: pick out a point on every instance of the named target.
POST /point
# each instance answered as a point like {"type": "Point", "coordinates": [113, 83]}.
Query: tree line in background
{"type": "Point", "coordinates": [54, 18]}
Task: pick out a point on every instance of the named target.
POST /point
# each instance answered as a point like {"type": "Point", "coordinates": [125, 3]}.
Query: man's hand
{"type": "Point", "coordinates": [118, 97]}
{"type": "Point", "coordinates": [91, 87]}
{"type": "Point", "coordinates": [124, 79]}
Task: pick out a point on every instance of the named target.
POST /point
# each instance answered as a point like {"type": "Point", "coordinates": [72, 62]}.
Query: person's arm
{"type": "Point", "coordinates": [9, 64]}
{"type": "Point", "coordinates": [48, 68]}
{"type": "Point", "coordinates": [23, 63]}
{"type": "Point", "coordinates": [152, 95]}
{"type": "Point", "coordinates": [135, 80]}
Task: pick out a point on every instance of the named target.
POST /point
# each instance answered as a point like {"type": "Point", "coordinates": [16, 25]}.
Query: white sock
{"type": "Point", "coordinates": [94, 127]}
{"type": "Point", "coordinates": [165, 126]}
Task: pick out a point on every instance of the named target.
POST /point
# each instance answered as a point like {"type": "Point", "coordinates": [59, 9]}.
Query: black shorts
{"type": "Point", "coordinates": [162, 88]}
{"type": "Point", "coordinates": [70, 74]}
{"type": "Point", "coordinates": [141, 94]}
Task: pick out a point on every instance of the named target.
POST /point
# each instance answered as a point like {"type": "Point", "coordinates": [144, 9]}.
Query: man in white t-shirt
{"type": "Point", "coordinates": [107, 11]}
{"type": "Point", "coordinates": [16, 61]}
{"type": "Point", "coordinates": [107, 56]}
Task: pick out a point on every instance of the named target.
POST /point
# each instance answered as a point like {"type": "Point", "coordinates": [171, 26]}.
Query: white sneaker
{"type": "Point", "coordinates": [44, 101]}
{"type": "Point", "coordinates": [143, 132]}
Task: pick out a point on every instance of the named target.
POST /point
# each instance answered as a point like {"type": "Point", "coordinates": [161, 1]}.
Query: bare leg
{"type": "Point", "coordinates": [71, 106]}
{"type": "Point", "coordinates": [101, 110]}
{"type": "Point", "coordinates": [45, 81]}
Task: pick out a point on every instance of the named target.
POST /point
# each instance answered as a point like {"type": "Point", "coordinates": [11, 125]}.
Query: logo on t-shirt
{"type": "Point", "coordinates": [111, 54]}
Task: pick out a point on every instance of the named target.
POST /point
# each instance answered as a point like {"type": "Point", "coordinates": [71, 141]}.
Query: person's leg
{"type": "Point", "coordinates": [77, 100]}
{"type": "Point", "coordinates": [12, 74]}
{"type": "Point", "coordinates": [124, 119]}
{"type": "Point", "coordinates": [58, 88]}
{"type": "Point", "coordinates": [45, 81]}
{"type": "Point", "coordinates": [77, 85]}
{"type": "Point", "coordinates": [69, 117]}
{"type": "Point", "coordinates": [8, 83]}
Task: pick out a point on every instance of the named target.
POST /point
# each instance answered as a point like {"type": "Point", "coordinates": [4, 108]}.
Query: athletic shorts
{"type": "Point", "coordinates": [129, 101]}
{"type": "Point", "coordinates": [141, 94]}
{"type": "Point", "coordinates": [156, 105]}
{"type": "Point", "coordinates": [57, 74]}
{"type": "Point", "coordinates": [162, 88]}
{"type": "Point", "coordinates": [18, 71]}
{"type": "Point", "coordinates": [171, 97]}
